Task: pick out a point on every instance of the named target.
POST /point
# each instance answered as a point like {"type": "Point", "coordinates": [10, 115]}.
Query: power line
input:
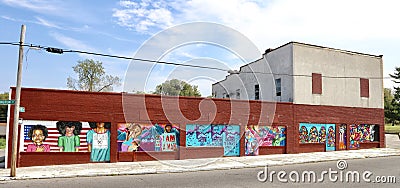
{"type": "Point", "coordinates": [60, 51]}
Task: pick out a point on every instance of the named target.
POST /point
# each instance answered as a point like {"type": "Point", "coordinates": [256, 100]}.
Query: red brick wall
{"type": "Point", "coordinates": [335, 115]}
{"type": "Point", "coordinates": [58, 105]}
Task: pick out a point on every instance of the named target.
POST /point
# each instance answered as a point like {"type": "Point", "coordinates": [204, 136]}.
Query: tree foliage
{"type": "Point", "coordinates": [395, 102]}
{"type": "Point", "coordinates": [92, 77]}
{"type": "Point", "coordinates": [3, 108]}
{"type": "Point", "coordinates": [177, 87]}
{"type": "Point", "coordinates": [390, 116]}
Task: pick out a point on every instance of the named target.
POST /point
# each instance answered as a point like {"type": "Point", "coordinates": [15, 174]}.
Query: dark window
{"type": "Point", "coordinates": [238, 94]}
{"type": "Point", "coordinates": [257, 92]}
{"type": "Point", "coordinates": [278, 87]}
{"type": "Point", "coordinates": [364, 87]}
{"type": "Point", "coordinates": [316, 83]}
{"type": "Point", "coordinates": [376, 133]}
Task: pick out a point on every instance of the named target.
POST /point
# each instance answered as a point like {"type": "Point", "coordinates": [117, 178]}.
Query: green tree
{"type": "Point", "coordinates": [3, 108]}
{"type": "Point", "coordinates": [177, 87]}
{"type": "Point", "coordinates": [92, 77]}
{"type": "Point", "coordinates": [396, 95]}
{"type": "Point", "coordinates": [390, 116]}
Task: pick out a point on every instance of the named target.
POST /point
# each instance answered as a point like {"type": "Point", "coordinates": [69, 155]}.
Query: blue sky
{"type": "Point", "coordinates": [124, 27]}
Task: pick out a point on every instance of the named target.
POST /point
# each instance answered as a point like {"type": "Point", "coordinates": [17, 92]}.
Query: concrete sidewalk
{"type": "Point", "coordinates": [175, 166]}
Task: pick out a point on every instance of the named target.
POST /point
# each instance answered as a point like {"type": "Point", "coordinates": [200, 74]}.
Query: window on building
{"type": "Point", "coordinates": [278, 87]}
{"type": "Point", "coordinates": [257, 92]}
{"type": "Point", "coordinates": [364, 87]}
{"type": "Point", "coordinates": [316, 83]}
{"type": "Point", "coordinates": [223, 95]}
{"type": "Point", "coordinates": [238, 94]}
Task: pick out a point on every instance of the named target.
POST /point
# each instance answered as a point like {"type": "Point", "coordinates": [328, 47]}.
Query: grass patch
{"type": "Point", "coordinates": [2, 143]}
{"type": "Point", "coordinates": [389, 129]}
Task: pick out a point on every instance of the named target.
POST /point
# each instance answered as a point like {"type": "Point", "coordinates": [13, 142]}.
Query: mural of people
{"type": "Point", "coordinates": [122, 133]}
{"type": "Point", "coordinates": [303, 133]}
{"type": "Point", "coordinates": [331, 137]}
{"type": "Point", "coordinates": [69, 140]}
{"type": "Point", "coordinates": [342, 137]}
{"type": "Point", "coordinates": [168, 134]}
{"type": "Point", "coordinates": [322, 134]}
{"type": "Point", "coordinates": [132, 141]}
{"type": "Point", "coordinates": [354, 137]}
{"type": "Point", "coordinates": [256, 136]}
{"type": "Point", "coordinates": [313, 135]}
{"type": "Point", "coordinates": [98, 139]}
{"type": "Point", "coordinates": [38, 134]}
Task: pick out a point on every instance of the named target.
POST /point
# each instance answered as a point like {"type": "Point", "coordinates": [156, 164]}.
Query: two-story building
{"type": "Point", "coordinates": [308, 74]}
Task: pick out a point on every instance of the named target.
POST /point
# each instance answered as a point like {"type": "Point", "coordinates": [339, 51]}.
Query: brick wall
{"type": "Point", "coordinates": [59, 105]}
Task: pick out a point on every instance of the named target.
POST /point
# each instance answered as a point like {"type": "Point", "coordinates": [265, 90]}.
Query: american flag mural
{"type": "Point", "coordinates": [53, 135]}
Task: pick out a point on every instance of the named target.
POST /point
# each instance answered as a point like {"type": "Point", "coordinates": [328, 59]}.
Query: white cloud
{"type": "Point", "coordinates": [73, 44]}
{"type": "Point", "coordinates": [144, 15]}
{"type": "Point", "coordinates": [348, 25]}
{"type": "Point", "coordinates": [35, 5]}
{"type": "Point", "coordinates": [47, 23]}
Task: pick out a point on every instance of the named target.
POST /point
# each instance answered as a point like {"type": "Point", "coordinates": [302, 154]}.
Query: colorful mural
{"type": "Point", "coordinates": [342, 137]}
{"type": "Point", "coordinates": [330, 142]}
{"type": "Point", "coordinates": [147, 137]}
{"type": "Point", "coordinates": [98, 139]}
{"type": "Point", "coordinates": [361, 134]}
{"type": "Point", "coordinates": [62, 136]}
{"type": "Point", "coordinates": [256, 136]}
{"type": "Point", "coordinates": [69, 140]}
{"type": "Point", "coordinates": [318, 133]}
{"type": "Point", "coordinates": [227, 136]}
{"type": "Point", "coordinates": [38, 134]}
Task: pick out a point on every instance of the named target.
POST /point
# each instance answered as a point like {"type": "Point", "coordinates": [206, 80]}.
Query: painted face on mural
{"type": "Point", "coordinates": [168, 128]}
{"type": "Point", "coordinates": [100, 125]}
{"type": "Point", "coordinates": [38, 137]}
{"type": "Point", "coordinates": [69, 131]}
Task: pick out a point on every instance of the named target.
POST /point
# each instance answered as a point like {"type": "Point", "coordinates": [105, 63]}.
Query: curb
{"type": "Point", "coordinates": [227, 163]}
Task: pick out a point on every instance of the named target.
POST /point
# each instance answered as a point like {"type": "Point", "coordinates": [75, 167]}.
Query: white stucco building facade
{"type": "Point", "coordinates": [308, 74]}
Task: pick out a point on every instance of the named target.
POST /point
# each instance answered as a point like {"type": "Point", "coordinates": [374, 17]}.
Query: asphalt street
{"type": "Point", "coordinates": [384, 168]}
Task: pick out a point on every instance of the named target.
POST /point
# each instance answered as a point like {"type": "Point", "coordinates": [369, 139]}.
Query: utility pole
{"type": "Point", "coordinates": [17, 104]}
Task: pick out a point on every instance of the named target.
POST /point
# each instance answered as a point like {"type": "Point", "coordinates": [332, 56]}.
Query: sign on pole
{"type": "Point", "coordinates": [7, 102]}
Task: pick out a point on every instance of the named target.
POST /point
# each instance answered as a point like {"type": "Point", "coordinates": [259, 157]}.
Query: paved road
{"type": "Point", "coordinates": [385, 166]}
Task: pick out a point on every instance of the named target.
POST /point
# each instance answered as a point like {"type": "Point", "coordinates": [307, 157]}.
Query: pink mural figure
{"type": "Point", "coordinates": [38, 134]}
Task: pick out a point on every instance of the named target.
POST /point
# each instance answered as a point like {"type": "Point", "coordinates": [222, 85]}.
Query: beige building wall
{"type": "Point", "coordinates": [345, 91]}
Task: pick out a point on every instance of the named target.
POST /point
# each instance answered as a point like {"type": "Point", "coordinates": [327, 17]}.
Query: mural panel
{"type": "Point", "coordinates": [68, 136]}
{"type": "Point", "coordinates": [147, 137]}
{"type": "Point", "coordinates": [318, 133]}
{"type": "Point", "coordinates": [256, 136]}
{"type": "Point", "coordinates": [54, 136]}
{"type": "Point", "coordinates": [342, 137]}
{"type": "Point", "coordinates": [362, 133]}
{"type": "Point", "coordinates": [98, 140]}
{"type": "Point", "coordinates": [330, 142]}
{"type": "Point", "coordinates": [227, 136]}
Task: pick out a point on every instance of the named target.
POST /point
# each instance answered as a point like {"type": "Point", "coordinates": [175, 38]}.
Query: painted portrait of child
{"type": "Point", "coordinates": [69, 140]}
{"type": "Point", "coordinates": [38, 134]}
